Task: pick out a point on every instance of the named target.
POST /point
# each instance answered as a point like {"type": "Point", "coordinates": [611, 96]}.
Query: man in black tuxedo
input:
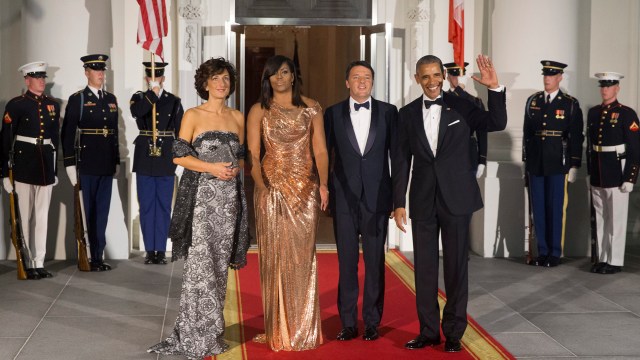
{"type": "Point", "coordinates": [359, 133]}
{"type": "Point", "coordinates": [434, 130]}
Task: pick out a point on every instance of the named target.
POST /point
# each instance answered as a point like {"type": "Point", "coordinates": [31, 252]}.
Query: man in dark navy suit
{"type": "Point", "coordinates": [478, 139]}
{"type": "Point", "coordinates": [30, 134]}
{"type": "Point", "coordinates": [155, 168]}
{"type": "Point", "coordinates": [434, 132]}
{"type": "Point", "coordinates": [359, 132]}
{"type": "Point", "coordinates": [552, 152]}
{"type": "Point", "coordinates": [92, 116]}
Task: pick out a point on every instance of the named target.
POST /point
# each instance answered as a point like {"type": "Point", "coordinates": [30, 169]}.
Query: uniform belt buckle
{"type": "Point", "coordinates": [105, 132]}
{"type": "Point", "coordinates": [39, 142]}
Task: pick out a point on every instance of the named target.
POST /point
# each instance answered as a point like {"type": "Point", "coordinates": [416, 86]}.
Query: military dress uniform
{"type": "Point", "coordinates": [478, 139]}
{"type": "Point", "coordinates": [155, 174]}
{"type": "Point", "coordinates": [613, 151]}
{"type": "Point", "coordinates": [552, 144]}
{"type": "Point", "coordinates": [30, 129]}
{"type": "Point", "coordinates": [93, 115]}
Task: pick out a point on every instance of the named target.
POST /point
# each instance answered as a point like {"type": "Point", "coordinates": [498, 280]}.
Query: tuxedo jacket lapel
{"type": "Point", "coordinates": [419, 126]}
{"type": "Point", "coordinates": [373, 126]}
{"type": "Point", "coordinates": [348, 127]}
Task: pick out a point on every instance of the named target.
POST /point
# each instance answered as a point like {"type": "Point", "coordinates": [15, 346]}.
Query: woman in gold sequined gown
{"type": "Point", "coordinates": [290, 191]}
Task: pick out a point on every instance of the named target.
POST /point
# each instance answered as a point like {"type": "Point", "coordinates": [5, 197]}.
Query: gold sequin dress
{"type": "Point", "coordinates": [286, 224]}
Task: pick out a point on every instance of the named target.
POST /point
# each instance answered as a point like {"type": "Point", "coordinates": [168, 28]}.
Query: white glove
{"type": "Point", "coordinates": [154, 84]}
{"type": "Point", "coordinates": [6, 183]}
{"type": "Point", "coordinates": [73, 174]}
{"type": "Point", "coordinates": [480, 171]}
{"type": "Point", "coordinates": [55, 182]}
{"type": "Point", "coordinates": [573, 174]}
{"type": "Point", "coordinates": [115, 175]}
{"type": "Point", "coordinates": [626, 187]}
{"type": "Point", "coordinates": [179, 171]}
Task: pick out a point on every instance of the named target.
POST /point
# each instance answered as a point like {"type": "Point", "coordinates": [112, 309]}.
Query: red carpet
{"type": "Point", "coordinates": [399, 321]}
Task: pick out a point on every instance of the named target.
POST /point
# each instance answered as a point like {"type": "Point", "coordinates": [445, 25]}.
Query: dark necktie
{"type": "Point", "coordinates": [548, 98]}
{"type": "Point", "coordinates": [365, 105]}
{"type": "Point", "coordinates": [428, 103]}
{"type": "Point", "coordinates": [100, 95]}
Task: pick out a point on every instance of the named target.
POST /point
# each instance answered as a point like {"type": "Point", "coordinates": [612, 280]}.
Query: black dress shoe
{"type": "Point", "coordinates": [95, 266]}
{"type": "Point", "coordinates": [539, 261]}
{"type": "Point", "coordinates": [44, 273]}
{"type": "Point", "coordinates": [105, 267]}
{"type": "Point", "coordinates": [347, 333]}
{"type": "Point", "coordinates": [161, 258]}
{"type": "Point", "coordinates": [610, 269]}
{"type": "Point", "coordinates": [596, 268]}
{"type": "Point", "coordinates": [150, 258]}
{"type": "Point", "coordinates": [452, 345]}
{"type": "Point", "coordinates": [370, 333]}
{"type": "Point", "coordinates": [552, 261]}
{"type": "Point", "coordinates": [32, 274]}
{"type": "Point", "coordinates": [421, 341]}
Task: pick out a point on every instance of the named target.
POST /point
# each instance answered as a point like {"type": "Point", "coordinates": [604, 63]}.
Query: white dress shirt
{"type": "Point", "coordinates": [431, 122]}
{"type": "Point", "coordinates": [551, 95]}
{"type": "Point", "coordinates": [361, 122]}
{"type": "Point", "coordinates": [95, 91]}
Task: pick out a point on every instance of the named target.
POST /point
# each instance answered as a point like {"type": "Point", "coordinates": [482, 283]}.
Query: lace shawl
{"type": "Point", "coordinates": [180, 230]}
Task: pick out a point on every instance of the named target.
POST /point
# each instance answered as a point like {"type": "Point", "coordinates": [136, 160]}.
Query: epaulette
{"type": "Point", "coordinates": [537, 94]}
{"type": "Point", "coordinates": [77, 92]}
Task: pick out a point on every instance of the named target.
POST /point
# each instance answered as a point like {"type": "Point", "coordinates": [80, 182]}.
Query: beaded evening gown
{"type": "Point", "coordinates": [216, 210]}
{"type": "Point", "coordinates": [286, 224]}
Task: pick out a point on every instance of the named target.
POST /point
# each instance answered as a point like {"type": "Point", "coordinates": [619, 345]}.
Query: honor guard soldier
{"type": "Point", "coordinates": [552, 152]}
{"type": "Point", "coordinates": [90, 126]}
{"type": "Point", "coordinates": [613, 151]}
{"type": "Point", "coordinates": [30, 129]}
{"type": "Point", "coordinates": [153, 162]}
{"type": "Point", "coordinates": [478, 143]}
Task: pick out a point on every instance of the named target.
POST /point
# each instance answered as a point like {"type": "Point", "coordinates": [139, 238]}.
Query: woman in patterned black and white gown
{"type": "Point", "coordinates": [209, 222]}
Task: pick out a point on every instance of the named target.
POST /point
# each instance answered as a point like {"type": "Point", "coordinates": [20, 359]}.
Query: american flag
{"type": "Point", "coordinates": [152, 25]}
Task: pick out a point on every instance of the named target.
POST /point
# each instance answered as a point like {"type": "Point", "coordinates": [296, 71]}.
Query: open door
{"type": "Point", "coordinates": [375, 46]}
{"type": "Point", "coordinates": [235, 54]}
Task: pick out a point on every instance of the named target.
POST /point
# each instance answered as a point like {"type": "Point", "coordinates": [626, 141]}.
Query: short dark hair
{"type": "Point", "coordinates": [359, 63]}
{"type": "Point", "coordinates": [271, 67]}
{"type": "Point", "coordinates": [430, 59]}
{"type": "Point", "coordinates": [208, 69]}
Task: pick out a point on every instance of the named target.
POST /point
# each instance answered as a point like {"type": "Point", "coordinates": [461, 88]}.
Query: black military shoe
{"type": "Point", "coordinates": [539, 261]}
{"type": "Point", "coordinates": [610, 269]}
{"type": "Point", "coordinates": [161, 258]}
{"type": "Point", "coordinates": [347, 333]}
{"type": "Point", "coordinates": [104, 266]}
{"type": "Point", "coordinates": [596, 267]}
{"type": "Point", "coordinates": [95, 266]}
{"type": "Point", "coordinates": [552, 261]}
{"type": "Point", "coordinates": [44, 273]}
{"type": "Point", "coordinates": [32, 274]}
{"type": "Point", "coordinates": [150, 258]}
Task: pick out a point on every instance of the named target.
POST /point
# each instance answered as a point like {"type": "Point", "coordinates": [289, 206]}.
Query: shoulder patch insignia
{"type": "Point", "coordinates": [634, 127]}
{"type": "Point", "coordinates": [7, 118]}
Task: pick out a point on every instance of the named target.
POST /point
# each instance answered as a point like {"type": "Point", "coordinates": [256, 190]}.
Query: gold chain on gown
{"type": "Point", "coordinates": [286, 224]}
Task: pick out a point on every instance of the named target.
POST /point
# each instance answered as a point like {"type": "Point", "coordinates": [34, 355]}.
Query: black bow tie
{"type": "Point", "coordinates": [365, 105]}
{"type": "Point", "coordinates": [428, 103]}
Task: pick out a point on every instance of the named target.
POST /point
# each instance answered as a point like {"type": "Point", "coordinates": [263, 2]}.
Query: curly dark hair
{"type": "Point", "coordinates": [271, 67]}
{"type": "Point", "coordinates": [208, 69]}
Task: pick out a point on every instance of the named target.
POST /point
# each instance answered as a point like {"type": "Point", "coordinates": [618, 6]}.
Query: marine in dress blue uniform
{"type": "Point", "coordinates": [155, 174]}
{"type": "Point", "coordinates": [30, 127]}
{"type": "Point", "coordinates": [552, 152]}
{"type": "Point", "coordinates": [478, 140]}
{"type": "Point", "coordinates": [613, 153]}
{"type": "Point", "coordinates": [92, 113]}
